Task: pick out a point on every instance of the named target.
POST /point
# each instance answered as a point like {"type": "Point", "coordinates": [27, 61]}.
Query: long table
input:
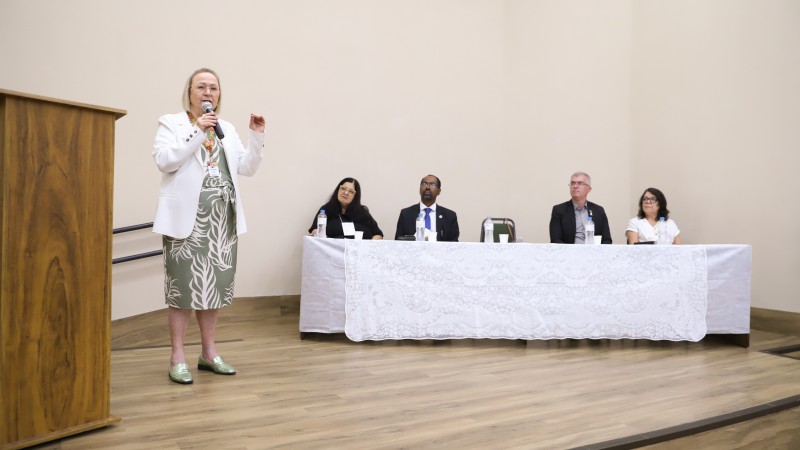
{"type": "Point", "coordinates": [373, 290]}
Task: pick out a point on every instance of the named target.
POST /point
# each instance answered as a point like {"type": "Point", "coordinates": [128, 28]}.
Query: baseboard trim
{"type": "Point", "coordinates": [154, 323]}
{"type": "Point", "coordinates": [774, 321]}
{"type": "Point", "coordinates": [769, 320]}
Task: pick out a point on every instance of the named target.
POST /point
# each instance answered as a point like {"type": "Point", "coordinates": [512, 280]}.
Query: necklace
{"type": "Point", "coordinates": [209, 142]}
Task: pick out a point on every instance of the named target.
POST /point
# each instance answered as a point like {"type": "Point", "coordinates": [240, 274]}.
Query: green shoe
{"type": "Point", "coordinates": [179, 373]}
{"type": "Point", "coordinates": [217, 365]}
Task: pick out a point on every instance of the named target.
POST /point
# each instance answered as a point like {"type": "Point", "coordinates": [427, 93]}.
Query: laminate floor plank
{"type": "Point", "coordinates": [328, 392]}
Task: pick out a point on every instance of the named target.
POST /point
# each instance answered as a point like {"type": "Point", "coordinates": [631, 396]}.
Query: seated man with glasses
{"type": "Point", "coordinates": [439, 221]}
{"type": "Point", "coordinates": [568, 219]}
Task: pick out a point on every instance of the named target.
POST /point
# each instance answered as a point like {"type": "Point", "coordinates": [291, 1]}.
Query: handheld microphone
{"type": "Point", "coordinates": [217, 128]}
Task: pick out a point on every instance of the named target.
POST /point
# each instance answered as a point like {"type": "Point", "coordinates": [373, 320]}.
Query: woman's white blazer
{"type": "Point", "coordinates": [178, 155]}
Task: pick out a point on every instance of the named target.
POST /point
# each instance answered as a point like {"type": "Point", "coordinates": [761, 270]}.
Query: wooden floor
{"type": "Point", "coordinates": [328, 392]}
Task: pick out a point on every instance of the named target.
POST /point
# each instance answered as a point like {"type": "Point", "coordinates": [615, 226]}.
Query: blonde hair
{"type": "Point", "coordinates": [187, 89]}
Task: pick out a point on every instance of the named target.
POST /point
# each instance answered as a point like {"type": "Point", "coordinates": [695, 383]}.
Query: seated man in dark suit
{"type": "Point", "coordinates": [438, 219]}
{"type": "Point", "coordinates": [568, 219]}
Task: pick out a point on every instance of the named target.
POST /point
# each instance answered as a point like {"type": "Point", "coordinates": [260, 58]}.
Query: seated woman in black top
{"type": "Point", "coordinates": [346, 214]}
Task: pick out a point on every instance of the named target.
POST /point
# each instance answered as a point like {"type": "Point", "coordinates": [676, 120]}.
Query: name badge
{"type": "Point", "coordinates": [349, 228]}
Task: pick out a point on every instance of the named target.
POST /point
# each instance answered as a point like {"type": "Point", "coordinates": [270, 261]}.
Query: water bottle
{"type": "Point", "coordinates": [420, 234]}
{"type": "Point", "coordinates": [589, 232]}
{"type": "Point", "coordinates": [661, 231]}
{"type": "Point", "coordinates": [488, 230]}
{"type": "Point", "coordinates": [322, 223]}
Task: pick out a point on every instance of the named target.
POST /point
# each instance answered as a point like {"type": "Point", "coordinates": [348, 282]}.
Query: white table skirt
{"type": "Point", "coordinates": [409, 290]}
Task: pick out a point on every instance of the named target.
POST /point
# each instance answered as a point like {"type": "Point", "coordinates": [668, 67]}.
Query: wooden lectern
{"type": "Point", "coordinates": [56, 171]}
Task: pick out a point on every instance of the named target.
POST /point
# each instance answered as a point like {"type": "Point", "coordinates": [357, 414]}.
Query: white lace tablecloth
{"type": "Point", "coordinates": [409, 290]}
{"type": "Point", "coordinates": [323, 293]}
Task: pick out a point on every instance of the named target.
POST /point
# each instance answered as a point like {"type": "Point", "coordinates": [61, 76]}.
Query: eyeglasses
{"type": "Point", "coordinates": [347, 190]}
{"type": "Point", "coordinates": [649, 200]}
{"type": "Point", "coordinates": [203, 88]}
{"type": "Point", "coordinates": [433, 185]}
{"type": "Point", "coordinates": [578, 183]}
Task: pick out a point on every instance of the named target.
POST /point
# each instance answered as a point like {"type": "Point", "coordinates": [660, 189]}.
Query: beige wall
{"type": "Point", "coordinates": [716, 114]}
{"type": "Point", "coordinates": [567, 108]}
{"type": "Point", "coordinates": [502, 100]}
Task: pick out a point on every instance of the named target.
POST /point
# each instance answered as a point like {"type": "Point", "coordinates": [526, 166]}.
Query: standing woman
{"type": "Point", "coordinates": [200, 214]}
{"type": "Point", "coordinates": [642, 228]}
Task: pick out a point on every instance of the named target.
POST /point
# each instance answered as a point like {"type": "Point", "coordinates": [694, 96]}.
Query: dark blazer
{"type": "Point", "coordinates": [362, 222]}
{"type": "Point", "coordinates": [562, 223]}
{"type": "Point", "coordinates": [446, 223]}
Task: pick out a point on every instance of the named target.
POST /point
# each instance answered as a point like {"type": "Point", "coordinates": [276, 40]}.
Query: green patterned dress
{"type": "Point", "coordinates": [200, 270]}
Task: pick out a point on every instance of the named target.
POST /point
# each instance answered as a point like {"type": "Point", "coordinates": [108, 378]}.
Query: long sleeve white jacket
{"type": "Point", "coordinates": [177, 153]}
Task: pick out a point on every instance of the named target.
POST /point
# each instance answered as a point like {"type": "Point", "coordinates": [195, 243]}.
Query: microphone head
{"type": "Point", "coordinates": [207, 106]}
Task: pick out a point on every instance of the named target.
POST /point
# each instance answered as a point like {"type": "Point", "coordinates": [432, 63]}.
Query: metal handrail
{"type": "Point", "coordinates": [141, 226]}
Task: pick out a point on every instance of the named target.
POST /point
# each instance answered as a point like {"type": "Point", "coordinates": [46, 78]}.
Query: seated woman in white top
{"type": "Point", "coordinates": [652, 205]}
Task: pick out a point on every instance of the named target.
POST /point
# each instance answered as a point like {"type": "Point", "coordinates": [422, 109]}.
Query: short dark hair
{"type": "Point", "coordinates": [438, 181]}
{"type": "Point", "coordinates": [662, 203]}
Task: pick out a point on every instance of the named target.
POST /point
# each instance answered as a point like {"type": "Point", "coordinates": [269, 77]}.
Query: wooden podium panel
{"type": "Point", "coordinates": [56, 169]}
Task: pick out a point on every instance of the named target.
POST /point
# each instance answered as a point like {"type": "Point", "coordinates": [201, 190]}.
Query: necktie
{"type": "Point", "coordinates": [428, 218]}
